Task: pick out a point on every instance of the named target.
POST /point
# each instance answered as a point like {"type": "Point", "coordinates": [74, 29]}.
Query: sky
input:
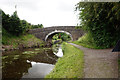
{"type": "Point", "coordinates": [46, 12]}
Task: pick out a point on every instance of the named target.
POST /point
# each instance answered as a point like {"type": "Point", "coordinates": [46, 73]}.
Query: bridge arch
{"type": "Point", "coordinates": [58, 31]}
{"type": "Point", "coordinates": [48, 32]}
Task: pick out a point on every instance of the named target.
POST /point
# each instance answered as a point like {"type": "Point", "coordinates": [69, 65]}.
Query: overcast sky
{"type": "Point", "coordinates": [46, 12]}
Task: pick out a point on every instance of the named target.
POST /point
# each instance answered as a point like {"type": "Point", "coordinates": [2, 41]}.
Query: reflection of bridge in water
{"type": "Point", "coordinates": [46, 34]}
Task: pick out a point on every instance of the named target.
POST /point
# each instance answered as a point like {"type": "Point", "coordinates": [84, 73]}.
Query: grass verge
{"type": "Point", "coordinates": [27, 40]}
{"type": "Point", "coordinates": [70, 65]}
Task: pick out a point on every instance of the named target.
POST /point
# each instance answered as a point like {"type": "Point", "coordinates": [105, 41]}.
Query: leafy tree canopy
{"type": "Point", "coordinates": [15, 26]}
{"type": "Point", "coordinates": [102, 20]}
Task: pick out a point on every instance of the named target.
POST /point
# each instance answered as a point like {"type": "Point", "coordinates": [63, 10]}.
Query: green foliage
{"type": "Point", "coordinates": [25, 25]}
{"type": "Point", "coordinates": [65, 37]}
{"type": "Point", "coordinates": [70, 65]}
{"type": "Point", "coordinates": [27, 40]}
{"type": "Point", "coordinates": [37, 26]}
{"type": "Point", "coordinates": [62, 36]}
{"type": "Point", "coordinates": [5, 36]}
{"type": "Point", "coordinates": [102, 21]}
{"type": "Point", "coordinates": [12, 24]}
{"type": "Point", "coordinates": [15, 26]}
{"type": "Point", "coordinates": [55, 37]}
{"type": "Point", "coordinates": [87, 41]}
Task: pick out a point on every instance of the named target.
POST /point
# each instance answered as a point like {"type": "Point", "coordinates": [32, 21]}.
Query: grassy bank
{"type": "Point", "coordinates": [70, 65]}
{"type": "Point", "coordinates": [26, 40]}
{"type": "Point", "coordinates": [87, 41]}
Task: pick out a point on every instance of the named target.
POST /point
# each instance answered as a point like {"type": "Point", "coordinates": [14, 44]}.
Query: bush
{"type": "Point", "coordinates": [102, 21]}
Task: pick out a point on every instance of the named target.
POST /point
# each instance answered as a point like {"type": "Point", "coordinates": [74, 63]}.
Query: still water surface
{"type": "Point", "coordinates": [28, 63]}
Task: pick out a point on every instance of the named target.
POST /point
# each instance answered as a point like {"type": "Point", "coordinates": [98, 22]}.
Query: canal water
{"type": "Point", "coordinates": [28, 63]}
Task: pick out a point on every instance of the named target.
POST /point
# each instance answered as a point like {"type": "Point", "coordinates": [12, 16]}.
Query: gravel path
{"type": "Point", "coordinates": [99, 63]}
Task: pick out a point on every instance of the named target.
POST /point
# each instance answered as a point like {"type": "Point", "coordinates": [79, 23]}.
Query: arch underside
{"type": "Point", "coordinates": [51, 34]}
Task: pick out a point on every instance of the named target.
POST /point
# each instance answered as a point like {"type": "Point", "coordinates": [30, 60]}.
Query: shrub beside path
{"type": "Point", "coordinates": [99, 63]}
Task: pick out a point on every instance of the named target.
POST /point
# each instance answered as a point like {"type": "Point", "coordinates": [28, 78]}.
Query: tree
{"type": "Point", "coordinates": [15, 26]}
{"type": "Point", "coordinates": [5, 20]}
{"type": "Point", "coordinates": [101, 20]}
{"type": "Point", "coordinates": [37, 26]}
{"type": "Point", "coordinates": [62, 36]}
{"type": "Point", "coordinates": [11, 23]}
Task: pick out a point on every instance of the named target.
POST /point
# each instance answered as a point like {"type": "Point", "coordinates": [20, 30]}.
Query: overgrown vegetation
{"type": "Point", "coordinates": [27, 40]}
{"type": "Point", "coordinates": [70, 65]}
{"type": "Point", "coordinates": [15, 26]}
{"type": "Point", "coordinates": [102, 21]}
{"type": "Point", "coordinates": [61, 37]}
{"type": "Point", "coordinates": [87, 41]}
{"type": "Point", "coordinates": [14, 32]}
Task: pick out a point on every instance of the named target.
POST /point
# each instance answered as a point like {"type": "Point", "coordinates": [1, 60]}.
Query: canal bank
{"type": "Point", "coordinates": [27, 63]}
{"type": "Point", "coordinates": [39, 62]}
{"type": "Point", "coordinates": [70, 65]}
{"type": "Point", "coordinates": [21, 42]}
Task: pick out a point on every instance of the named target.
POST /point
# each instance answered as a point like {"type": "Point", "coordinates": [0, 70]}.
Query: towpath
{"type": "Point", "coordinates": [99, 63]}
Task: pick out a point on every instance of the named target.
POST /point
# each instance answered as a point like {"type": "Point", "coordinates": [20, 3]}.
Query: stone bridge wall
{"type": "Point", "coordinates": [41, 33]}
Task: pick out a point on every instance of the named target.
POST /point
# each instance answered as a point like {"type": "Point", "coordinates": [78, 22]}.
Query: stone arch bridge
{"type": "Point", "coordinates": [46, 34]}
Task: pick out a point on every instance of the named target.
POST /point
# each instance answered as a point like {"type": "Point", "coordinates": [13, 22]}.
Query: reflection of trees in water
{"type": "Point", "coordinates": [55, 47]}
{"type": "Point", "coordinates": [45, 57]}
{"type": "Point", "coordinates": [15, 67]}
{"type": "Point", "coordinates": [15, 62]}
